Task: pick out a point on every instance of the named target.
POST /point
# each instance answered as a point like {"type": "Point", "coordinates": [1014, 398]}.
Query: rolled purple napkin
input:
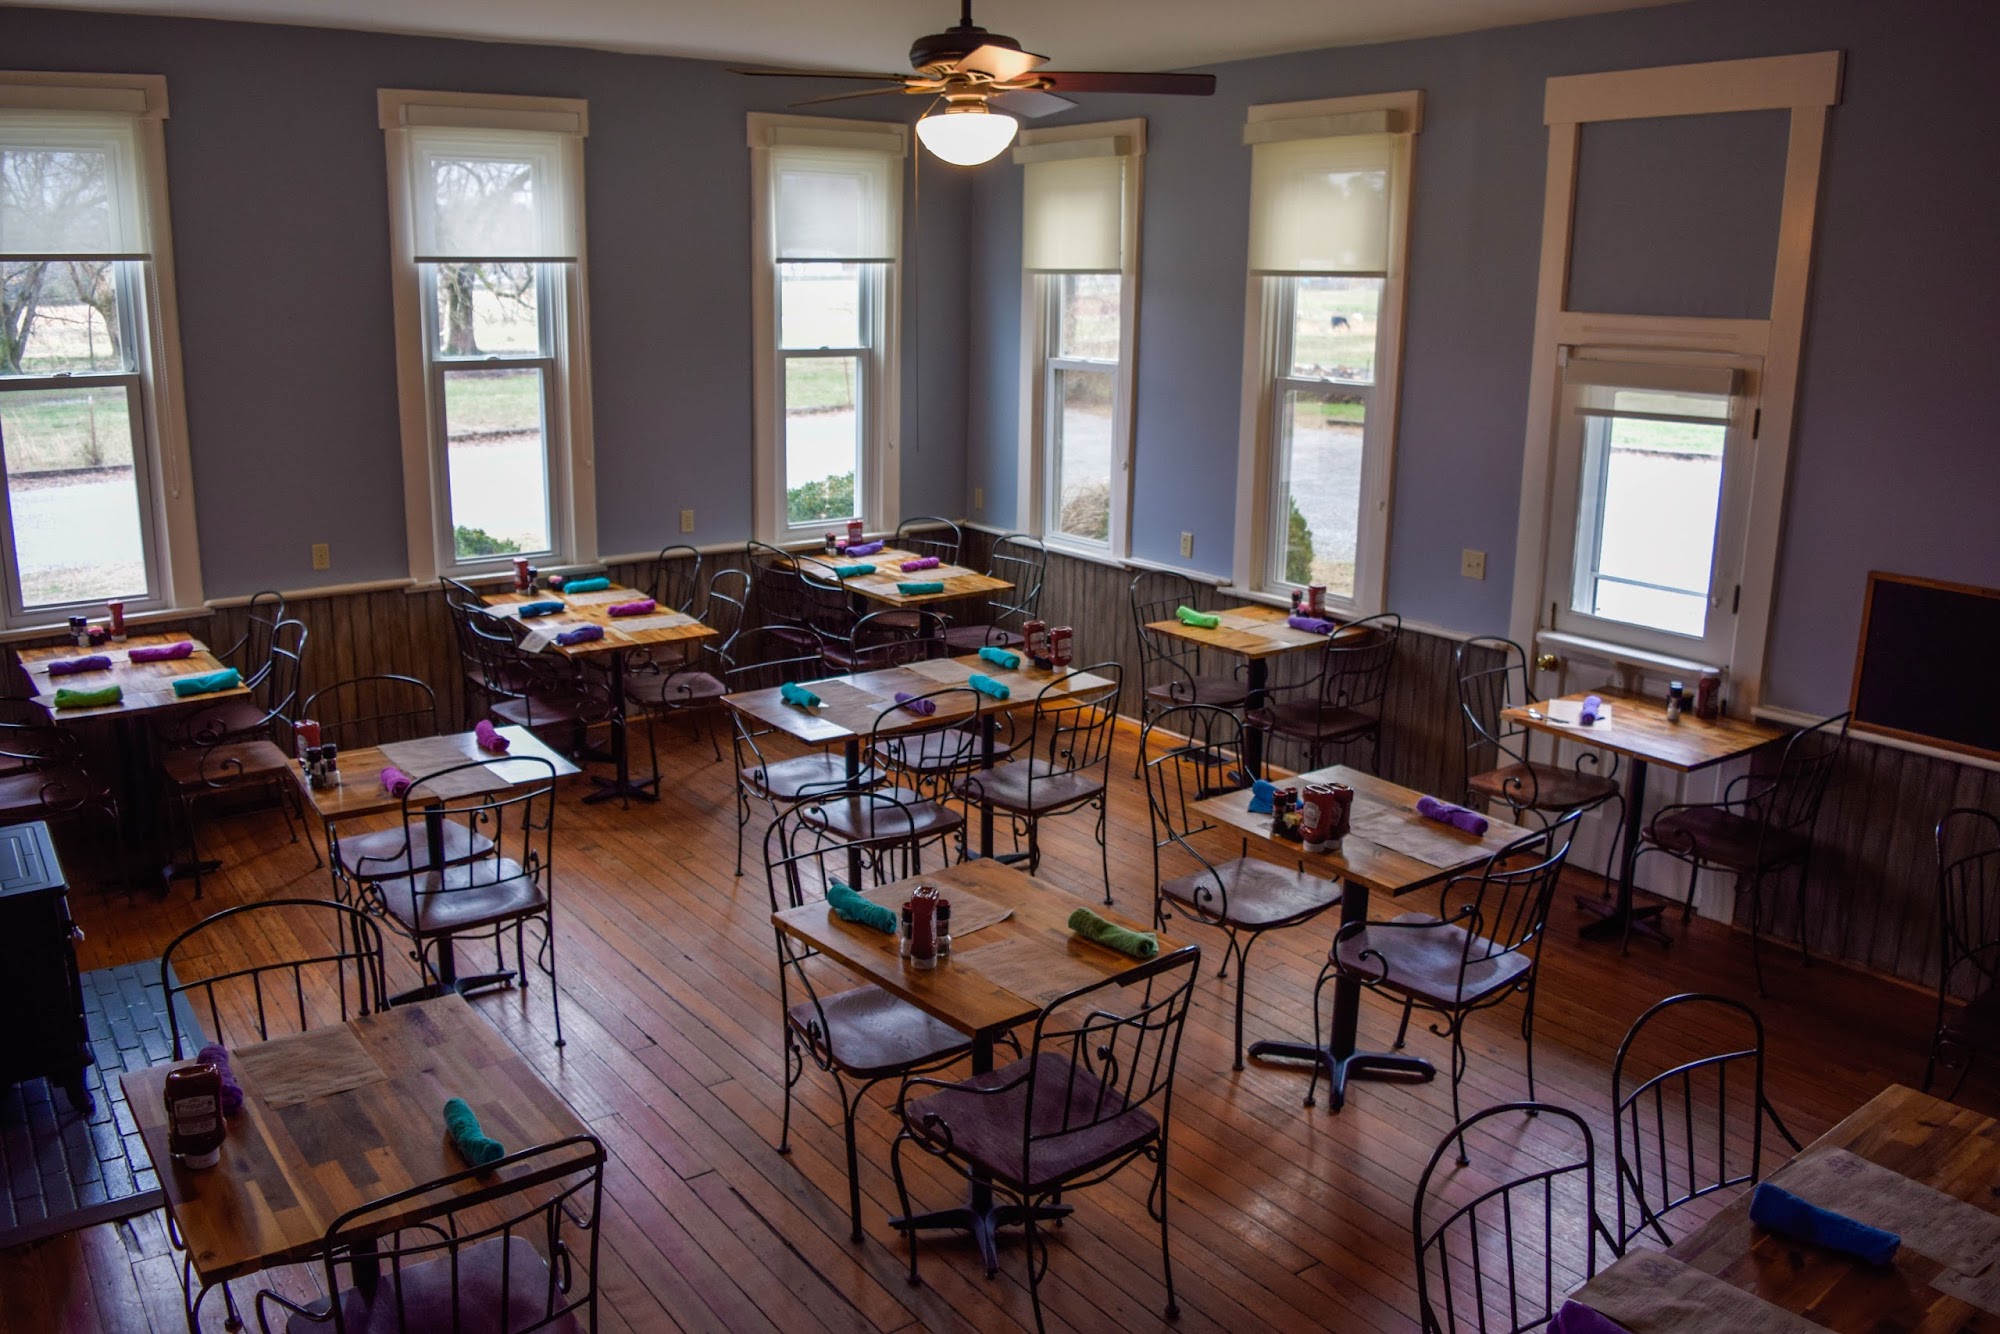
{"type": "Point", "coordinates": [1588, 713]}
{"type": "Point", "coordinates": [920, 563]}
{"type": "Point", "coordinates": [1576, 1318]}
{"type": "Point", "coordinates": [96, 662]}
{"type": "Point", "coordinates": [1472, 822]}
{"type": "Point", "coordinates": [583, 634]}
{"type": "Point", "coordinates": [865, 548]}
{"type": "Point", "coordinates": [639, 607]}
{"type": "Point", "coordinates": [488, 737]}
{"type": "Point", "coordinates": [916, 703]}
{"type": "Point", "coordinates": [1317, 625]}
{"type": "Point", "coordinates": [163, 652]}
{"type": "Point", "coordinates": [395, 782]}
{"type": "Point", "coordinates": [232, 1092]}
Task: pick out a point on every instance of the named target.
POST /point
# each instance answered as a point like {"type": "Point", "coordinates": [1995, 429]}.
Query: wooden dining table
{"type": "Point", "coordinates": [1257, 635]}
{"type": "Point", "coordinates": [881, 584]}
{"type": "Point", "coordinates": [1390, 850]}
{"type": "Point", "coordinates": [1922, 1142]}
{"type": "Point", "coordinates": [995, 978]}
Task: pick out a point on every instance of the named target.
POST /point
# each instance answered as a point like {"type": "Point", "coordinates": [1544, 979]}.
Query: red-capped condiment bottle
{"type": "Point", "coordinates": [194, 1115]}
{"type": "Point", "coordinates": [923, 928]}
{"type": "Point", "coordinates": [1060, 646]}
{"type": "Point", "coordinates": [855, 529]}
{"type": "Point", "coordinates": [1035, 640]}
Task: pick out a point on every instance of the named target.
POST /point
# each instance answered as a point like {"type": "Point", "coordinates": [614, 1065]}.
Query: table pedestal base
{"type": "Point", "coordinates": [983, 1221]}
{"type": "Point", "coordinates": [1354, 1065]}
{"type": "Point", "coordinates": [622, 789]}
{"type": "Point", "coordinates": [1614, 918]}
{"type": "Point", "coordinates": [463, 986]}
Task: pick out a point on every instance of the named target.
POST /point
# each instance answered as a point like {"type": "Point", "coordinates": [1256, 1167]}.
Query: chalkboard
{"type": "Point", "coordinates": [1929, 664]}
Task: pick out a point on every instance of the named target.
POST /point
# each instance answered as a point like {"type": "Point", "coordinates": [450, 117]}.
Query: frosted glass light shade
{"type": "Point", "coordinates": [967, 136]}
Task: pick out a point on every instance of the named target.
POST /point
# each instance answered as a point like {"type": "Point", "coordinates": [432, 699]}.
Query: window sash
{"type": "Point", "coordinates": [1052, 435]}
{"type": "Point", "coordinates": [867, 370]}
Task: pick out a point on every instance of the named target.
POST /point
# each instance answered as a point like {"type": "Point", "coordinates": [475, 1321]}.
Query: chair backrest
{"type": "Point", "coordinates": [928, 535]}
{"type": "Point", "coordinates": [1968, 854]}
{"type": "Point", "coordinates": [1073, 725]}
{"type": "Point", "coordinates": [1023, 561]}
{"type": "Point", "coordinates": [1505, 1258]}
{"type": "Point", "coordinates": [56, 755]}
{"type": "Point", "coordinates": [890, 638]}
{"type": "Point", "coordinates": [1791, 803]}
{"type": "Point", "coordinates": [509, 1246]}
{"type": "Point", "coordinates": [1188, 753]}
{"type": "Point", "coordinates": [22, 709]}
{"type": "Point", "coordinates": [930, 757]}
{"type": "Point", "coordinates": [1163, 659]}
{"type": "Point", "coordinates": [802, 591]}
{"type": "Point", "coordinates": [328, 970]}
{"type": "Point", "coordinates": [763, 659]}
{"type": "Point", "coordinates": [275, 692]}
{"type": "Point", "coordinates": [369, 710]}
{"type": "Point", "coordinates": [251, 654]}
{"type": "Point", "coordinates": [1504, 907]}
{"type": "Point", "coordinates": [1492, 676]}
{"type": "Point", "coordinates": [491, 651]}
{"type": "Point", "coordinates": [519, 822]}
{"type": "Point", "coordinates": [1359, 661]}
{"type": "Point", "coordinates": [724, 604]}
{"type": "Point", "coordinates": [676, 582]}
{"type": "Point", "coordinates": [1680, 1133]}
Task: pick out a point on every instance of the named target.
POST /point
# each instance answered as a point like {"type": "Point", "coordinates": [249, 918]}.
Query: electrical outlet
{"type": "Point", "coordinates": [1472, 564]}
{"type": "Point", "coordinates": [1187, 544]}
{"type": "Point", "coordinates": [687, 521]}
{"type": "Point", "coordinates": [979, 497]}
{"type": "Point", "coordinates": [322, 556]}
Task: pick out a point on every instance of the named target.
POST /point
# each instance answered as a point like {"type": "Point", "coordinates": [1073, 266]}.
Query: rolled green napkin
{"type": "Point", "coordinates": [853, 571]}
{"type": "Point", "coordinates": [596, 585]}
{"type": "Point", "coordinates": [67, 698]}
{"type": "Point", "coordinates": [207, 683]}
{"type": "Point", "coordinates": [799, 695]}
{"type": "Point", "coordinates": [919, 587]}
{"type": "Point", "coordinates": [849, 906]}
{"type": "Point", "coordinates": [466, 1136]}
{"type": "Point", "coordinates": [1000, 657]}
{"type": "Point", "coordinates": [986, 685]}
{"type": "Point", "coordinates": [1138, 944]}
{"type": "Point", "coordinates": [1200, 620]}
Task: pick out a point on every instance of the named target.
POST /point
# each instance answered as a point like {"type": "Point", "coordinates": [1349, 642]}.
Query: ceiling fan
{"type": "Point", "coordinates": [984, 80]}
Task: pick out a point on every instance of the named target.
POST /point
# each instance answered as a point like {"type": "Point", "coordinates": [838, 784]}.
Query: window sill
{"type": "Point", "coordinates": [1619, 654]}
{"type": "Point", "coordinates": [135, 619]}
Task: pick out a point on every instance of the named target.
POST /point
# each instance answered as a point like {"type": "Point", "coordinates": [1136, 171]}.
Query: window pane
{"type": "Point", "coordinates": [60, 315]}
{"type": "Point", "coordinates": [822, 438]}
{"type": "Point", "coordinates": [819, 305]}
{"type": "Point", "coordinates": [497, 455]}
{"type": "Point", "coordinates": [1333, 328]}
{"type": "Point", "coordinates": [73, 494]}
{"type": "Point", "coordinates": [1087, 315]}
{"type": "Point", "coordinates": [1319, 484]}
{"type": "Point", "coordinates": [1080, 453]}
{"type": "Point", "coordinates": [1646, 528]}
{"type": "Point", "coordinates": [487, 309]}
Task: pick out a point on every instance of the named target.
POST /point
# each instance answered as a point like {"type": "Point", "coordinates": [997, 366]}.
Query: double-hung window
{"type": "Point", "coordinates": [95, 504]}
{"type": "Point", "coordinates": [828, 209]}
{"type": "Point", "coordinates": [1328, 202]}
{"type": "Point", "coordinates": [488, 221]}
{"type": "Point", "coordinates": [1079, 257]}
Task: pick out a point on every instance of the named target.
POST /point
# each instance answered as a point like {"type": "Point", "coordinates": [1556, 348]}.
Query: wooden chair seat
{"type": "Point", "coordinates": [471, 896]}
{"type": "Point", "coordinates": [382, 853]}
{"type": "Point", "coordinates": [228, 718]}
{"type": "Point", "coordinates": [673, 689]}
{"type": "Point", "coordinates": [788, 780]}
{"type": "Point", "coordinates": [1306, 720]}
{"type": "Point", "coordinates": [986, 1129]}
{"type": "Point", "coordinates": [1260, 895]}
{"type": "Point", "coordinates": [502, 1284]}
{"type": "Point", "coordinates": [1726, 839]}
{"type": "Point", "coordinates": [1542, 787]}
{"type": "Point", "coordinates": [221, 765]}
{"type": "Point", "coordinates": [852, 821]}
{"type": "Point", "coordinates": [964, 639]}
{"type": "Point", "coordinates": [1222, 692]}
{"type": "Point", "coordinates": [1008, 787]}
{"type": "Point", "coordinates": [29, 794]}
{"type": "Point", "coordinates": [871, 1034]}
{"type": "Point", "coordinates": [1424, 963]}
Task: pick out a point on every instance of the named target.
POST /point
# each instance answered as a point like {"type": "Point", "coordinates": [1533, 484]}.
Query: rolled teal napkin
{"type": "Point", "coordinates": [67, 698]}
{"type": "Point", "coordinates": [919, 587]}
{"type": "Point", "coordinates": [466, 1136]}
{"type": "Point", "coordinates": [1138, 944]}
{"type": "Point", "coordinates": [1200, 620]}
{"type": "Point", "coordinates": [798, 695]}
{"type": "Point", "coordinates": [853, 571]}
{"type": "Point", "coordinates": [849, 906]}
{"type": "Point", "coordinates": [208, 682]}
{"type": "Point", "coordinates": [530, 610]}
{"type": "Point", "coordinates": [1782, 1212]}
{"type": "Point", "coordinates": [596, 585]}
{"type": "Point", "coordinates": [1000, 657]}
{"type": "Point", "coordinates": [583, 634]}
{"type": "Point", "coordinates": [986, 685]}
{"type": "Point", "coordinates": [1261, 796]}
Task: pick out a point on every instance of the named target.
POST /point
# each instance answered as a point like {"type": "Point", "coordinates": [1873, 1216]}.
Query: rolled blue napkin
{"type": "Point", "coordinates": [1318, 625]}
{"type": "Point", "coordinates": [849, 906]}
{"type": "Point", "coordinates": [1000, 657]}
{"type": "Point", "coordinates": [1576, 1318]}
{"type": "Point", "coordinates": [798, 695]}
{"type": "Point", "coordinates": [989, 687]}
{"type": "Point", "coordinates": [1782, 1212]}
{"type": "Point", "coordinates": [96, 662]}
{"type": "Point", "coordinates": [917, 704]}
{"type": "Point", "coordinates": [593, 585]}
{"type": "Point", "coordinates": [474, 1144]}
{"type": "Point", "coordinates": [911, 588]}
{"type": "Point", "coordinates": [864, 548]}
{"type": "Point", "coordinates": [1261, 796]}
{"type": "Point", "coordinates": [1592, 705]}
{"type": "Point", "coordinates": [583, 634]}
{"type": "Point", "coordinates": [1472, 822]}
{"type": "Point", "coordinates": [853, 571]}
{"type": "Point", "coordinates": [207, 683]}
{"type": "Point", "coordinates": [530, 610]}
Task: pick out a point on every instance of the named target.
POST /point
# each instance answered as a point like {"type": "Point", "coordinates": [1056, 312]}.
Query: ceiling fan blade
{"type": "Point", "coordinates": [771, 72]}
{"type": "Point", "coordinates": [1073, 81]}
{"type": "Point", "coordinates": [1001, 64]}
{"type": "Point", "coordinates": [1029, 102]}
{"type": "Point", "coordinates": [842, 97]}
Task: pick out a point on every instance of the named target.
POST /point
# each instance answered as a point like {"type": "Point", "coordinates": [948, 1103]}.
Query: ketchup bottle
{"type": "Point", "coordinates": [923, 931]}
{"type": "Point", "coordinates": [194, 1115]}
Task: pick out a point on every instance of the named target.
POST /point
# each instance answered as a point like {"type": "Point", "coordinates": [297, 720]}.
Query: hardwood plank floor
{"type": "Point", "coordinates": [1282, 1216]}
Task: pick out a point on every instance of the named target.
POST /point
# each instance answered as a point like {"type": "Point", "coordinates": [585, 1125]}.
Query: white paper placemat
{"type": "Point", "coordinates": [602, 596]}
{"type": "Point", "coordinates": [665, 621]}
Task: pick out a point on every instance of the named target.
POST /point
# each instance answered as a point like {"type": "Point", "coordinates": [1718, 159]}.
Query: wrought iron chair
{"type": "Point", "coordinates": [508, 1246]}
{"type": "Point", "coordinates": [1655, 1125]}
{"type": "Point", "coordinates": [1063, 765]}
{"type": "Point", "coordinates": [1172, 671]}
{"type": "Point", "coordinates": [1189, 753]}
{"type": "Point", "coordinates": [43, 777]}
{"type": "Point", "coordinates": [803, 597]}
{"type": "Point", "coordinates": [251, 653]}
{"type": "Point", "coordinates": [469, 625]}
{"type": "Point", "coordinates": [1968, 1009]}
{"type": "Point", "coordinates": [1022, 561]}
{"type": "Point", "coordinates": [763, 659]}
{"type": "Point", "coordinates": [1093, 1095]}
{"type": "Point", "coordinates": [1762, 827]}
{"type": "Point", "coordinates": [883, 639]}
{"type": "Point", "coordinates": [339, 976]}
{"type": "Point", "coordinates": [1483, 947]}
{"type": "Point", "coordinates": [1342, 703]}
{"type": "Point", "coordinates": [928, 535]}
{"type": "Point", "coordinates": [676, 582]}
{"type": "Point", "coordinates": [862, 1034]}
{"type": "Point", "coordinates": [536, 690]}
{"type": "Point", "coordinates": [1503, 1261]}
{"type": "Point", "coordinates": [918, 766]}
{"type": "Point", "coordinates": [265, 713]}
{"type": "Point", "coordinates": [22, 711]}
{"type": "Point", "coordinates": [692, 687]}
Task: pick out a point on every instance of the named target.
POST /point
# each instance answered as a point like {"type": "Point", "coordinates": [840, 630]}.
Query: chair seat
{"type": "Point", "coordinates": [469, 896]}
{"type": "Point", "coordinates": [1726, 839]}
{"type": "Point", "coordinates": [871, 1033]}
{"type": "Point", "coordinates": [1008, 787]}
{"type": "Point", "coordinates": [986, 1128]}
{"type": "Point", "coordinates": [217, 766]}
{"type": "Point", "coordinates": [382, 853]}
{"type": "Point", "coordinates": [1222, 692]}
{"type": "Point", "coordinates": [1308, 720]}
{"type": "Point", "coordinates": [487, 1302]}
{"type": "Point", "coordinates": [856, 821]}
{"type": "Point", "coordinates": [1258, 894]}
{"type": "Point", "coordinates": [37, 794]}
{"type": "Point", "coordinates": [788, 780]}
{"type": "Point", "coordinates": [228, 718]}
{"type": "Point", "coordinates": [546, 711]}
{"type": "Point", "coordinates": [1424, 962]}
{"type": "Point", "coordinates": [963, 639]}
{"type": "Point", "coordinates": [1542, 787]}
{"type": "Point", "coordinates": [673, 689]}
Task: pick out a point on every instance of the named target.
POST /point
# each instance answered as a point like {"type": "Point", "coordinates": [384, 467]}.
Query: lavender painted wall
{"type": "Point", "coordinates": [1893, 458]}
{"type": "Point", "coordinates": [278, 184]}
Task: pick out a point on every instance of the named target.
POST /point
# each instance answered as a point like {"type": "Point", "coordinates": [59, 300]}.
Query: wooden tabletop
{"type": "Point", "coordinates": [1638, 728]}
{"type": "Point", "coordinates": [855, 706]}
{"type": "Point", "coordinates": [958, 581]}
{"type": "Point", "coordinates": [620, 632]}
{"type": "Point", "coordinates": [361, 791]}
{"type": "Point", "coordinates": [1926, 1139]}
{"type": "Point", "coordinates": [148, 686]}
{"type": "Point", "coordinates": [1248, 632]}
{"type": "Point", "coordinates": [962, 990]}
{"type": "Point", "coordinates": [287, 1173]}
{"type": "Point", "coordinates": [1359, 860]}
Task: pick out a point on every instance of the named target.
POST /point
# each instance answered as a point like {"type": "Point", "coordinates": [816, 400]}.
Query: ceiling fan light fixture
{"type": "Point", "coordinates": [967, 134]}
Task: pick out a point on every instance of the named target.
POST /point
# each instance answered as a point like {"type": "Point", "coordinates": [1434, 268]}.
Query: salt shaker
{"type": "Point", "coordinates": [943, 927]}
{"type": "Point", "coordinates": [908, 926]}
{"type": "Point", "coordinates": [1676, 700]}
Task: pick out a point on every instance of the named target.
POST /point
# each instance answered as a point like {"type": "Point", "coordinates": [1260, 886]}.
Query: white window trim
{"type": "Point", "coordinates": [1032, 456]}
{"type": "Point", "coordinates": [880, 487]}
{"type": "Point", "coordinates": [177, 548]}
{"type": "Point", "coordinates": [571, 447]}
{"type": "Point", "coordinates": [1402, 114]}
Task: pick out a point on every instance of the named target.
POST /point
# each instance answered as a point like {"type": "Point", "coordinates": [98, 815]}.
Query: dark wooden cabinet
{"type": "Point", "coordinates": [41, 997]}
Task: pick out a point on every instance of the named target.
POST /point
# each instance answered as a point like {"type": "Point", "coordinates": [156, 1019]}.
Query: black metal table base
{"type": "Point", "coordinates": [463, 986]}
{"type": "Point", "coordinates": [1355, 1065]}
{"type": "Point", "coordinates": [188, 870]}
{"type": "Point", "coordinates": [1613, 917]}
{"type": "Point", "coordinates": [983, 1222]}
{"type": "Point", "coordinates": [622, 789]}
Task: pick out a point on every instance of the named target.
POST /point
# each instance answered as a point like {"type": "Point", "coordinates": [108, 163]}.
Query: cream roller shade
{"type": "Point", "coordinates": [1074, 215]}
{"type": "Point", "coordinates": [834, 204]}
{"type": "Point", "coordinates": [486, 195]}
{"type": "Point", "coordinates": [1322, 205]}
{"type": "Point", "coordinates": [71, 186]}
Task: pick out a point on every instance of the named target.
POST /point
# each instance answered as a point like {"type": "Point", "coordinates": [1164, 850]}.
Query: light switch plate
{"type": "Point", "coordinates": [1472, 564]}
{"type": "Point", "coordinates": [687, 521]}
{"type": "Point", "coordinates": [322, 556]}
{"type": "Point", "coordinates": [1187, 544]}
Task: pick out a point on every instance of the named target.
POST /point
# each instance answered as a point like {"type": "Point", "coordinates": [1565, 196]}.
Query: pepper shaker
{"type": "Point", "coordinates": [1676, 700]}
